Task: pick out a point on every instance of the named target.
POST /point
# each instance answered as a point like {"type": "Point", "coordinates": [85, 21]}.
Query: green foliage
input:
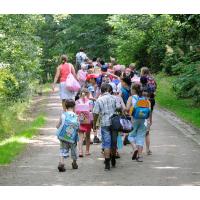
{"type": "Point", "coordinates": [65, 34]}
{"type": "Point", "coordinates": [187, 85]}
{"type": "Point", "coordinates": [141, 38]}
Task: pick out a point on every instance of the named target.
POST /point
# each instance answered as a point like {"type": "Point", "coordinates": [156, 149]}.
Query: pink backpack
{"type": "Point", "coordinates": [82, 75]}
{"type": "Point", "coordinates": [82, 109]}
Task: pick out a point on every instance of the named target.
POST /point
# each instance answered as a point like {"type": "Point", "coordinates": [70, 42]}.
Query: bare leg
{"type": "Point", "coordinates": [147, 138]}
{"type": "Point", "coordinates": [80, 143]}
{"type": "Point", "coordinates": [87, 143]}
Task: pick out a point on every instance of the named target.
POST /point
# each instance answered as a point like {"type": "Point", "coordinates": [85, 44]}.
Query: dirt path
{"type": "Point", "coordinates": [175, 160]}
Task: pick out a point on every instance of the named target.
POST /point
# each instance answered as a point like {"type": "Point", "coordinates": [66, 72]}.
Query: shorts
{"type": "Point", "coordinates": [65, 147]}
{"type": "Point", "coordinates": [109, 138]}
{"type": "Point", "coordinates": [64, 93]}
{"type": "Point", "coordinates": [138, 134]}
{"type": "Point", "coordinates": [148, 125]}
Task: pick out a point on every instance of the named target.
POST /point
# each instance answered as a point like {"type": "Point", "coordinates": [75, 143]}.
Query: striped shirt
{"type": "Point", "coordinates": [106, 106]}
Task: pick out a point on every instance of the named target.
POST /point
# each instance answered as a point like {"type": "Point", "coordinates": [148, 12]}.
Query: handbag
{"type": "Point", "coordinates": [71, 83]}
{"type": "Point", "coordinates": [121, 123]}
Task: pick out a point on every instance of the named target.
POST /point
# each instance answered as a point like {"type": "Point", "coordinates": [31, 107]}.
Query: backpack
{"type": "Point", "coordinates": [82, 75]}
{"type": "Point", "coordinates": [83, 111]}
{"type": "Point", "coordinates": [151, 85]}
{"type": "Point", "coordinates": [69, 131]}
{"type": "Point", "coordinates": [141, 108]}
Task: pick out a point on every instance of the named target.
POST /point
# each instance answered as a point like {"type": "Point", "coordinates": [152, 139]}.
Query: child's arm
{"type": "Point", "coordinates": [129, 104]}
{"type": "Point", "coordinates": [59, 123]}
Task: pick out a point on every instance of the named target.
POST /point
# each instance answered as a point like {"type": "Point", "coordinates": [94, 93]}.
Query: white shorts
{"type": "Point", "coordinates": [64, 93]}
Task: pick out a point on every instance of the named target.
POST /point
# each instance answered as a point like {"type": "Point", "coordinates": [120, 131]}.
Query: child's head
{"type": "Point", "coordinates": [132, 66]}
{"type": "Point", "coordinates": [110, 89]}
{"type": "Point", "coordinates": [84, 93]}
{"type": "Point", "coordinates": [143, 80]}
{"type": "Point", "coordinates": [83, 66]}
{"type": "Point", "coordinates": [118, 73]}
{"type": "Point", "coordinates": [126, 81]}
{"type": "Point", "coordinates": [127, 71]}
{"type": "Point", "coordinates": [69, 104]}
{"type": "Point", "coordinates": [136, 89]}
{"type": "Point", "coordinates": [145, 71]}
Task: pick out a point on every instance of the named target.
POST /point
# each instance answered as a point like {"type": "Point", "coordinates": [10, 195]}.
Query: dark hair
{"type": "Point", "coordinates": [126, 79]}
{"type": "Point", "coordinates": [110, 89]}
{"type": "Point", "coordinates": [81, 49]}
{"type": "Point", "coordinates": [104, 88]}
{"type": "Point", "coordinates": [69, 103]}
{"type": "Point", "coordinates": [89, 66]}
{"type": "Point", "coordinates": [137, 88]}
{"type": "Point", "coordinates": [118, 73]}
{"type": "Point", "coordinates": [63, 59]}
{"type": "Point", "coordinates": [94, 59]}
{"type": "Point", "coordinates": [143, 80]}
{"type": "Point", "coordinates": [102, 62]}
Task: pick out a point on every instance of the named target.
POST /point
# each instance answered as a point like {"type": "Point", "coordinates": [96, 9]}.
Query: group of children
{"type": "Point", "coordinates": [127, 86]}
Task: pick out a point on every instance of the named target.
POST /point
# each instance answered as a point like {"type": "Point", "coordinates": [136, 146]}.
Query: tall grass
{"type": "Point", "coordinates": [11, 147]}
{"type": "Point", "coordinates": [183, 108]}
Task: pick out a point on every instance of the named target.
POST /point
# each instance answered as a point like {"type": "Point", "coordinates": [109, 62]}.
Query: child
{"type": "Point", "coordinates": [148, 86]}
{"type": "Point", "coordinates": [125, 93]}
{"type": "Point", "coordinates": [125, 88]}
{"type": "Point", "coordinates": [83, 109]}
{"type": "Point", "coordinates": [68, 134]}
{"type": "Point", "coordinates": [140, 113]}
{"type": "Point", "coordinates": [81, 75]}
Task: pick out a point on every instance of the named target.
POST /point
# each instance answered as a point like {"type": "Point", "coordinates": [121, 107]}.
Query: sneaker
{"type": "Point", "coordinates": [113, 161]}
{"type": "Point", "coordinates": [149, 152]}
{"type": "Point", "coordinates": [135, 155]}
{"type": "Point", "coordinates": [96, 140]}
{"type": "Point", "coordinates": [107, 164]}
{"type": "Point", "coordinates": [61, 167]}
{"type": "Point", "coordinates": [139, 159]}
{"type": "Point", "coordinates": [74, 165]}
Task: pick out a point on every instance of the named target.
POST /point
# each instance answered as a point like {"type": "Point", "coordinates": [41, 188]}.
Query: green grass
{"type": "Point", "coordinates": [13, 146]}
{"type": "Point", "coordinates": [183, 108]}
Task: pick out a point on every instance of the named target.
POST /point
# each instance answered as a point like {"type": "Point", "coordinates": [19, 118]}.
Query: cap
{"type": "Point", "coordinates": [91, 76]}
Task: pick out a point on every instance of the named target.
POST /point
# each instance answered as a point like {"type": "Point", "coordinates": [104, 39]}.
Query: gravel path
{"type": "Point", "coordinates": [175, 159]}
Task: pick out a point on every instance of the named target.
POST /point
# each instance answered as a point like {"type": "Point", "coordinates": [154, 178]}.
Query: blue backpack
{"type": "Point", "coordinates": [141, 108]}
{"type": "Point", "coordinates": [68, 132]}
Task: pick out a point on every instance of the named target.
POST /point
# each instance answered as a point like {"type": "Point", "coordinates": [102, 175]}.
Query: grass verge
{"type": "Point", "coordinates": [183, 108]}
{"type": "Point", "coordinates": [13, 146]}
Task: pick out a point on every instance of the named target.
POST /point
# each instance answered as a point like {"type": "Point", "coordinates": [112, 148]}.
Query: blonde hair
{"type": "Point", "coordinates": [145, 71]}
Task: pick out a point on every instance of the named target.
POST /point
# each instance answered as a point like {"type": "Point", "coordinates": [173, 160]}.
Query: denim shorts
{"type": "Point", "coordinates": [109, 138]}
{"type": "Point", "coordinates": [65, 147]}
{"type": "Point", "coordinates": [106, 137]}
{"type": "Point", "coordinates": [139, 132]}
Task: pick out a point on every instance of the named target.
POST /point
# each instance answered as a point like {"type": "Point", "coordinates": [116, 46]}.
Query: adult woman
{"type": "Point", "coordinates": [63, 70]}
